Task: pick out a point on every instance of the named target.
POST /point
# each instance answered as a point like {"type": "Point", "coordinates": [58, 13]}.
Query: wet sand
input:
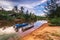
{"type": "Point", "coordinates": [44, 33]}
{"type": "Point", "coordinates": [36, 26]}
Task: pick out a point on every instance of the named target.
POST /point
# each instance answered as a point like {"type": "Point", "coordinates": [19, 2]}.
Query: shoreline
{"type": "Point", "coordinates": [36, 29]}
{"type": "Point", "coordinates": [43, 31]}
{"type": "Point", "coordinates": [37, 25]}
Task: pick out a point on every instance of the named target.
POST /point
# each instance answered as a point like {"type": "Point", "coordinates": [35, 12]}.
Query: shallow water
{"type": "Point", "coordinates": [36, 25]}
{"type": "Point", "coordinates": [10, 30]}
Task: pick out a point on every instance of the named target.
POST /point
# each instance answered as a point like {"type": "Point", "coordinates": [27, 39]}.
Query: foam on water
{"type": "Point", "coordinates": [7, 30]}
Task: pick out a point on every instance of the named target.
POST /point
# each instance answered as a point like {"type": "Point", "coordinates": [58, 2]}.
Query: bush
{"type": "Point", "coordinates": [6, 36]}
{"type": "Point", "coordinates": [55, 21]}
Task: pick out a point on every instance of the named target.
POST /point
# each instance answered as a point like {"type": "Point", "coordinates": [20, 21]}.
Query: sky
{"type": "Point", "coordinates": [34, 6]}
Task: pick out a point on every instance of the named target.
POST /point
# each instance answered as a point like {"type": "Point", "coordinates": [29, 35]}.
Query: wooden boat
{"type": "Point", "coordinates": [18, 26]}
{"type": "Point", "coordinates": [24, 26]}
{"type": "Point", "coordinates": [27, 27]}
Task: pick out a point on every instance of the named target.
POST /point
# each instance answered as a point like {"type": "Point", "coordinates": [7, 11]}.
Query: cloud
{"type": "Point", "coordinates": [6, 5]}
{"type": "Point", "coordinates": [27, 4]}
{"type": "Point", "coordinates": [9, 4]}
{"type": "Point", "coordinates": [58, 1]}
{"type": "Point", "coordinates": [40, 14]}
{"type": "Point", "coordinates": [32, 7]}
{"type": "Point", "coordinates": [45, 10]}
{"type": "Point", "coordinates": [33, 4]}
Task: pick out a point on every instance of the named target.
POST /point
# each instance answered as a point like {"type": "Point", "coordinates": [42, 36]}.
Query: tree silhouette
{"type": "Point", "coordinates": [22, 10]}
{"type": "Point", "coordinates": [51, 8]}
{"type": "Point", "coordinates": [53, 12]}
{"type": "Point", "coordinates": [16, 8]}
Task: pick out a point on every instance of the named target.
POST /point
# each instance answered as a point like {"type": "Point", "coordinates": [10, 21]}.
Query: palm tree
{"type": "Point", "coordinates": [51, 8]}
{"type": "Point", "coordinates": [22, 10]}
{"type": "Point", "coordinates": [53, 12]}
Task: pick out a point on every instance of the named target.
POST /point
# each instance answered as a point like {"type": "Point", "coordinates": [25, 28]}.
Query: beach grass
{"type": "Point", "coordinates": [7, 36]}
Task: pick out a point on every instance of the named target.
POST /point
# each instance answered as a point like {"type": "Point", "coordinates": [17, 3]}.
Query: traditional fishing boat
{"type": "Point", "coordinates": [20, 25]}
{"type": "Point", "coordinates": [27, 27]}
{"type": "Point", "coordinates": [24, 26]}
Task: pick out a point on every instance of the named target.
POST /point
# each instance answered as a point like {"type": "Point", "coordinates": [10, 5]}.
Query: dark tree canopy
{"type": "Point", "coordinates": [53, 9]}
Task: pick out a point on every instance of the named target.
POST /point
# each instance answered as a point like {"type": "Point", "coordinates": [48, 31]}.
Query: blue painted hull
{"type": "Point", "coordinates": [21, 25]}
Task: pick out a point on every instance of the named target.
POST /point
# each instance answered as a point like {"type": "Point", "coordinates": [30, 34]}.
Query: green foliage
{"type": "Point", "coordinates": [11, 15]}
{"type": "Point", "coordinates": [53, 12]}
{"type": "Point", "coordinates": [55, 21]}
{"type": "Point", "coordinates": [6, 17]}
{"type": "Point", "coordinates": [7, 36]}
{"type": "Point", "coordinates": [41, 18]}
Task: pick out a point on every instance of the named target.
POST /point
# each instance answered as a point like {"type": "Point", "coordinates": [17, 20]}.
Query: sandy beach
{"type": "Point", "coordinates": [45, 32]}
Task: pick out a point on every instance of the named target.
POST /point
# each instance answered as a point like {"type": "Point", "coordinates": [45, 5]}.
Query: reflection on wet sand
{"type": "Point", "coordinates": [36, 25]}
{"type": "Point", "coordinates": [9, 30]}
